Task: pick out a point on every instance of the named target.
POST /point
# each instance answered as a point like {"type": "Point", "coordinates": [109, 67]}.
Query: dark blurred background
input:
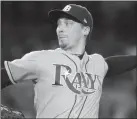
{"type": "Point", "coordinates": [25, 27]}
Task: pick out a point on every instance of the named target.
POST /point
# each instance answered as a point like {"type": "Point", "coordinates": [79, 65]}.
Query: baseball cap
{"type": "Point", "coordinates": [77, 12]}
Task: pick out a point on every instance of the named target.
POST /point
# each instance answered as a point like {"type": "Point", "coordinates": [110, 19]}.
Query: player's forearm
{"type": "Point", "coordinates": [120, 64]}
{"type": "Point", "coordinates": [5, 81]}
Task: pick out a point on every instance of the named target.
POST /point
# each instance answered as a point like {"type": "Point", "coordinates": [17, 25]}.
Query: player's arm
{"type": "Point", "coordinates": [14, 73]}
{"type": "Point", "coordinates": [120, 64]}
{"type": "Point", "coordinates": [19, 70]}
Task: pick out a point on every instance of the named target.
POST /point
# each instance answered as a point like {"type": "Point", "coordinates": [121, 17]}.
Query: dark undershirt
{"type": "Point", "coordinates": [81, 56]}
{"type": "Point", "coordinates": [5, 79]}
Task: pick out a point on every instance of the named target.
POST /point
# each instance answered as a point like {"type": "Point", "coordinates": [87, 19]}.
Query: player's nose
{"type": "Point", "coordinates": [60, 28]}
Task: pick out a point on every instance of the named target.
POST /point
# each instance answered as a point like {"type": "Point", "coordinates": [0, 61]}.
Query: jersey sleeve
{"type": "Point", "coordinates": [100, 65]}
{"type": "Point", "coordinates": [23, 69]}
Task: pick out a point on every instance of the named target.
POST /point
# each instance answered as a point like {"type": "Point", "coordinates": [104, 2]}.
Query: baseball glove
{"type": "Point", "coordinates": [10, 113]}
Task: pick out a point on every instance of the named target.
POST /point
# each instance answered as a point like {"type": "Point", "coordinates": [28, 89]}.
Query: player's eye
{"type": "Point", "coordinates": [68, 23]}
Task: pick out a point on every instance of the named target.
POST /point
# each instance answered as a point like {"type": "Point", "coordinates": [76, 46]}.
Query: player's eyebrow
{"type": "Point", "coordinates": [64, 18]}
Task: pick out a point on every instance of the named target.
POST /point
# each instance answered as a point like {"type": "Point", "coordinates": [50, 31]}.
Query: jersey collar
{"type": "Point", "coordinates": [85, 55]}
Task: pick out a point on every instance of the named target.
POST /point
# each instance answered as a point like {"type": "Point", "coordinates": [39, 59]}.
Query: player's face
{"type": "Point", "coordinates": [69, 33]}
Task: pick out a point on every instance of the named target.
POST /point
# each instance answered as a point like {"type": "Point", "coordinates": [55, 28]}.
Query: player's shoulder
{"type": "Point", "coordinates": [39, 53]}
{"type": "Point", "coordinates": [99, 64]}
{"type": "Point", "coordinates": [96, 57]}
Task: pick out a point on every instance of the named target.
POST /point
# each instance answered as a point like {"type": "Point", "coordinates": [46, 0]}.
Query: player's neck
{"type": "Point", "coordinates": [78, 50]}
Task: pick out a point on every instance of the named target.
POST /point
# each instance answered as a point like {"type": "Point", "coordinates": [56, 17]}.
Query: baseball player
{"type": "Point", "coordinates": [67, 81]}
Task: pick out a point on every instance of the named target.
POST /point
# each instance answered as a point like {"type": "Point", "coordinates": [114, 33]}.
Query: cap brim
{"type": "Point", "coordinates": [54, 15]}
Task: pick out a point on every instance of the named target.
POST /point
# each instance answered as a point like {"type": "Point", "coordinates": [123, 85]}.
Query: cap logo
{"type": "Point", "coordinates": [67, 8]}
{"type": "Point", "coordinates": [85, 20]}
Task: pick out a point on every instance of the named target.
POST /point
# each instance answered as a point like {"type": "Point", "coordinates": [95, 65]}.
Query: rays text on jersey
{"type": "Point", "coordinates": [80, 82]}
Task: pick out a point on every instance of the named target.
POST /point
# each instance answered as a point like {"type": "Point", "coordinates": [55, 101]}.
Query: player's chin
{"type": "Point", "coordinates": [62, 40]}
{"type": "Point", "coordinates": [63, 45]}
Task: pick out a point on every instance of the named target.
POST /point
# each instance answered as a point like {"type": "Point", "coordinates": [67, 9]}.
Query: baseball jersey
{"type": "Point", "coordinates": [64, 85]}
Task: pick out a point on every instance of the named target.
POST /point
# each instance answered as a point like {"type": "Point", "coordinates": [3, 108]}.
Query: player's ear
{"type": "Point", "coordinates": [86, 30]}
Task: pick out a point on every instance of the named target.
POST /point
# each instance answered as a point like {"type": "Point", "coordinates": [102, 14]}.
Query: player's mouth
{"type": "Point", "coordinates": [62, 36]}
